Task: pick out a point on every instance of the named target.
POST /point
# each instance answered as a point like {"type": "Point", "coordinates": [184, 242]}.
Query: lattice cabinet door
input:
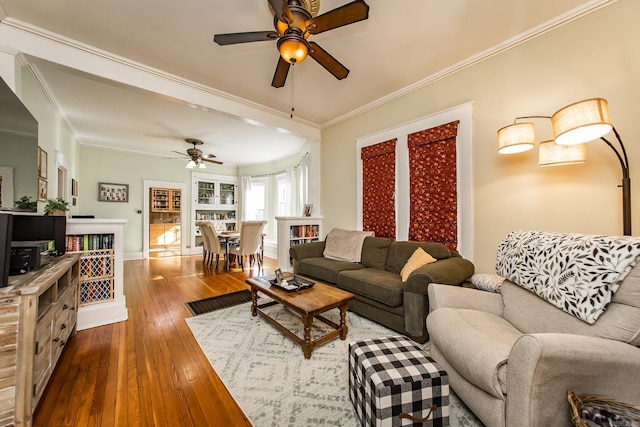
{"type": "Point", "coordinates": [96, 277]}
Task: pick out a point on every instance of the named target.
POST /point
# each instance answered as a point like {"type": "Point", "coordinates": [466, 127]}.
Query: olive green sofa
{"type": "Point", "coordinates": [380, 293]}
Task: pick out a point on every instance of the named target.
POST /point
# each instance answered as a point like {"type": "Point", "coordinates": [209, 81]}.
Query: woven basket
{"type": "Point", "coordinates": [588, 411]}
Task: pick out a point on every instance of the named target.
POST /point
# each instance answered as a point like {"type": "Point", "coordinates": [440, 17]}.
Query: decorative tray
{"type": "Point", "coordinates": [292, 284]}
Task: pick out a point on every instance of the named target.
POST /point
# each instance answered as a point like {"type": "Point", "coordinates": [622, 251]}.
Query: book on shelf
{"type": "Point", "coordinates": [89, 242]}
{"type": "Point", "coordinates": [301, 231]}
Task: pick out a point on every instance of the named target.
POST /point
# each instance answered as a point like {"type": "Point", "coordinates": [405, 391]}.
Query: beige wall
{"type": "Point", "coordinates": [596, 55]}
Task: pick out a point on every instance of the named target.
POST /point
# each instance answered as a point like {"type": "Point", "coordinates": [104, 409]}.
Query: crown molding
{"type": "Point", "coordinates": [35, 41]}
{"type": "Point", "coordinates": [497, 49]}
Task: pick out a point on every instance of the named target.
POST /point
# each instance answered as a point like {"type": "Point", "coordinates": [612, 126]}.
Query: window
{"type": "Point", "coordinates": [404, 194]}
{"type": "Point", "coordinates": [283, 195]}
{"type": "Point", "coordinates": [257, 200]}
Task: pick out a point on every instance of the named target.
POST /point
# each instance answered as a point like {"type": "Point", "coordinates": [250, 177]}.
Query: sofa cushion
{"type": "Point", "coordinates": [325, 269]}
{"type": "Point", "coordinates": [476, 344]}
{"type": "Point", "coordinates": [379, 285]}
{"type": "Point", "coordinates": [374, 252]}
{"type": "Point", "coordinates": [400, 252]}
{"type": "Point", "coordinates": [532, 314]}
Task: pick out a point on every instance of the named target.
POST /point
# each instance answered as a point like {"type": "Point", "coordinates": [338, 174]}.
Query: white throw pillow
{"type": "Point", "coordinates": [487, 282]}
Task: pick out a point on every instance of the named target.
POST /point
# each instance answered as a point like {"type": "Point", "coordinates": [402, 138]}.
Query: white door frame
{"type": "Point", "coordinates": [184, 219]}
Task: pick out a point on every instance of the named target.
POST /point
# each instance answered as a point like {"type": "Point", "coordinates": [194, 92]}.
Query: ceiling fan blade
{"type": "Point", "coordinates": [281, 9]}
{"type": "Point", "coordinates": [182, 154]}
{"type": "Point", "coordinates": [344, 15]}
{"type": "Point", "coordinates": [235, 38]}
{"type": "Point", "coordinates": [209, 156]}
{"type": "Point", "coordinates": [280, 76]}
{"type": "Point", "coordinates": [330, 63]}
{"type": "Point", "coordinates": [217, 162]}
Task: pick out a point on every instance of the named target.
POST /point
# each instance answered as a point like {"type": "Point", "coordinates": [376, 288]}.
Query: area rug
{"type": "Point", "coordinates": [268, 376]}
{"type": "Point", "coordinates": [206, 305]}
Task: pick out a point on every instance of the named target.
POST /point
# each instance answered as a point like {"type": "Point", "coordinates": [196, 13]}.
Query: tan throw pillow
{"type": "Point", "coordinates": [418, 259]}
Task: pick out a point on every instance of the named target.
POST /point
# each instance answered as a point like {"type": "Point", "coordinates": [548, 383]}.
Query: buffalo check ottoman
{"type": "Point", "coordinates": [392, 382]}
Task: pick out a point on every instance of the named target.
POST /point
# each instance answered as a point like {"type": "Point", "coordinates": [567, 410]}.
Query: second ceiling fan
{"type": "Point", "coordinates": [294, 22]}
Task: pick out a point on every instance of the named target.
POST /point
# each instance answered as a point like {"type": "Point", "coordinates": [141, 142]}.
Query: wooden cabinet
{"type": "Point", "coordinates": [38, 316]}
{"type": "Point", "coordinates": [166, 200]}
{"type": "Point", "coordinates": [164, 235]}
{"type": "Point", "coordinates": [294, 231]}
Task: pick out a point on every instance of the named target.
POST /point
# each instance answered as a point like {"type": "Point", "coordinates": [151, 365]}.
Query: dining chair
{"type": "Point", "coordinates": [211, 243]}
{"type": "Point", "coordinates": [250, 243]}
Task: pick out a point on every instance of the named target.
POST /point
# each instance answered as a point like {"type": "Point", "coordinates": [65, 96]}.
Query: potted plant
{"type": "Point", "coordinates": [25, 203]}
{"type": "Point", "coordinates": [57, 207]}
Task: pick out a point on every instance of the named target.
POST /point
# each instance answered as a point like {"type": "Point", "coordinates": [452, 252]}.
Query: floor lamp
{"type": "Point", "coordinates": [573, 126]}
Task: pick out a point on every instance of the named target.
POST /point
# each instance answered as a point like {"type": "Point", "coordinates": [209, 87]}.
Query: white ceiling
{"type": "Point", "coordinates": [403, 44]}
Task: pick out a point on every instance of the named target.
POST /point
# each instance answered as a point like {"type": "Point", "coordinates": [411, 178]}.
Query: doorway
{"type": "Point", "coordinates": [165, 225]}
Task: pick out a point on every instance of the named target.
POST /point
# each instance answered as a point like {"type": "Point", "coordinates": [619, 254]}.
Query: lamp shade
{"type": "Point", "coordinates": [581, 122]}
{"type": "Point", "coordinates": [516, 138]}
{"type": "Point", "coordinates": [552, 154]}
{"type": "Point", "coordinates": [191, 164]}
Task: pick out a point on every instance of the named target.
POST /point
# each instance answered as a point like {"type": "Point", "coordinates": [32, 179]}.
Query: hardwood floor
{"type": "Point", "coordinates": [149, 370]}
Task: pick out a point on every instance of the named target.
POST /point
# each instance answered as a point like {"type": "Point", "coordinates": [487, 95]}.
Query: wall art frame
{"type": "Point", "coordinates": [110, 192]}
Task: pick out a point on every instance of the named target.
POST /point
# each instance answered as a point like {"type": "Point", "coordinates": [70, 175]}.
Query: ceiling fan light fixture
{"type": "Point", "coordinates": [293, 48]}
{"type": "Point", "coordinates": [201, 165]}
{"type": "Point", "coordinates": [191, 164]}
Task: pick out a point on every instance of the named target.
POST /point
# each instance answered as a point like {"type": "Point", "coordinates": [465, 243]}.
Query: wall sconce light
{"type": "Point", "coordinates": [573, 126]}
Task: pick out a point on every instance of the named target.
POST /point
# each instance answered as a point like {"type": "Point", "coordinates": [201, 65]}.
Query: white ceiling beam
{"type": "Point", "coordinates": [34, 41]}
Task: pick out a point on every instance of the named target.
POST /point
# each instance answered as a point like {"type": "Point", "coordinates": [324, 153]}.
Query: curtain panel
{"type": "Point", "coordinates": [378, 188]}
{"type": "Point", "coordinates": [433, 210]}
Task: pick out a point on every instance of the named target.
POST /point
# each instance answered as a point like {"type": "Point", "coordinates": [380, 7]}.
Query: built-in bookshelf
{"type": "Point", "coordinates": [100, 244]}
{"type": "Point", "coordinates": [214, 198]}
{"type": "Point", "coordinates": [96, 267]}
{"type": "Point", "coordinates": [295, 231]}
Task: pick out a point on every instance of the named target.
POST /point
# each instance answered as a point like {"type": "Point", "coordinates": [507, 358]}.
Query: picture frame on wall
{"type": "Point", "coordinates": [42, 190]}
{"type": "Point", "coordinates": [74, 187]}
{"type": "Point", "coordinates": [109, 192]}
{"type": "Point", "coordinates": [307, 209]}
{"type": "Point", "coordinates": [42, 163]}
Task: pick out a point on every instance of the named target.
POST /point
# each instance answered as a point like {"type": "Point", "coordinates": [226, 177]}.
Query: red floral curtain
{"type": "Point", "coordinates": [378, 188]}
{"type": "Point", "coordinates": [433, 210]}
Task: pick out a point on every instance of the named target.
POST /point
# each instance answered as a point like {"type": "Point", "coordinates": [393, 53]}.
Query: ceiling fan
{"type": "Point", "coordinates": [195, 156]}
{"type": "Point", "coordinates": [294, 21]}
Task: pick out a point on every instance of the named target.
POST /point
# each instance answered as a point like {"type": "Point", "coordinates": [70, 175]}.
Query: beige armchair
{"type": "Point", "coordinates": [512, 356]}
{"type": "Point", "coordinates": [250, 243]}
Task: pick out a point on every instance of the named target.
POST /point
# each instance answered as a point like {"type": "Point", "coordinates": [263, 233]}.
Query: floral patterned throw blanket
{"type": "Point", "coordinates": [575, 272]}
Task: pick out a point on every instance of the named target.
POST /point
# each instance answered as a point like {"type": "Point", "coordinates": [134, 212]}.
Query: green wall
{"type": "Point", "coordinates": [100, 165]}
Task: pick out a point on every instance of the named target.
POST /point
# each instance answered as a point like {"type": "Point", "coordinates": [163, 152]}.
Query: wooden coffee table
{"type": "Point", "coordinates": [309, 304]}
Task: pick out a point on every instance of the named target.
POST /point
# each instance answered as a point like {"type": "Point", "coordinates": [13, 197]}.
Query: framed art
{"type": "Point", "coordinates": [108, 192]}
{"type": "Point", "coordinates": [307, 209]}
{"type": "Point", "coordinates": [42, 190]}
{"type": "Point", "coordinates": [74, 187]}
{"type": "Point", "coordinates": [42, 163]}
